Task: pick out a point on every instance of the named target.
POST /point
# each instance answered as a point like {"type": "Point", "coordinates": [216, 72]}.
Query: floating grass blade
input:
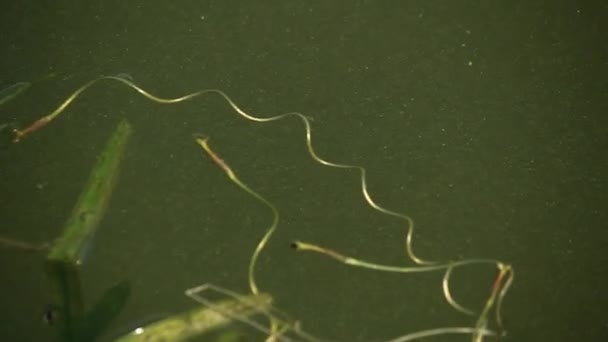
{"type": "Point", "coordinates": [65, 256]}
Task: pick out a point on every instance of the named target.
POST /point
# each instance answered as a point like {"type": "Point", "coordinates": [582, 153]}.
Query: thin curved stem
{"type": "Point", "coordinates": [204, 143]}
{"type": "Point", "coordinates": [499, 288]}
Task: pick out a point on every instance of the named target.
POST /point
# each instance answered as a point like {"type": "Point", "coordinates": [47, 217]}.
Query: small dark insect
{"type": "Point", "coordinates": [50, 315]}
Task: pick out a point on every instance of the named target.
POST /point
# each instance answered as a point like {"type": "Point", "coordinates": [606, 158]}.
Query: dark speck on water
{"type": "Point", "coordinates": [50, 315]}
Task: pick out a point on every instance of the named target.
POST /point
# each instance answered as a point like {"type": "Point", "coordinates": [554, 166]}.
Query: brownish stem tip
{"type": "Point", "coordinates": [20, 134]}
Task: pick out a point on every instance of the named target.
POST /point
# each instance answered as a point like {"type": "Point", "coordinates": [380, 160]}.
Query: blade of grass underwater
{"type": "Point", "coordinates": [105, 310]}
{"type": "Point", "coordinates": [65, 257]}
{"type": "Point", "coordinates": [201, 320]}
{"type": "Point", "coordinates": [93, 200]}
